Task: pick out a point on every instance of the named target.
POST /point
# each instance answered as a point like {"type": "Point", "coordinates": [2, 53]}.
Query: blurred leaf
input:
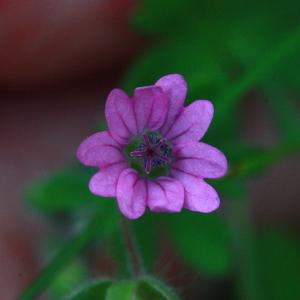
{"type": "Point", "coordinates": [279, 262]}
{"type": "Point", "coordinates": [224, 49]}
{"type": "Point", "coordinates": [259, 72]}
{"type": "Point", "coordinates": [151, 289]}
{"type": "Point", "coordinates": [123, 290]}
{"type": "Point", "coordinates": [146, 288]}
{"type": "Point", "coordinates": [284, 111]}
{"type": "Point", "coordinates": [170, 16]}
{"type": "Point", "coordinates": [229, 188]}
{"type": "Point", "coordinates": [257, 33]}
{"type": "Point", "coordinates": [233, 185]}
{"type": "Point", "coordinates": [60, 192]}
{"type": "Point", "coordinates": [71, 276]}
{"type": "Point", "coordinates": [203, 240]}
{"type": "Point", "coordinates": [95, 290]}
{"type": "Point", "coordinates": [199, 62]}
{"type": "Point", "coordinates": [154, 16]}
{"type": "Point", "coordinates": [264, 159]}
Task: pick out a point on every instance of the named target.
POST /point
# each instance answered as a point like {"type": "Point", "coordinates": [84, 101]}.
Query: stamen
{"type": "Point", "coordinates": [146, 140]}
{"type": "Point", "coordinates": [164, 158]}
{"type": "Point", "coordinates": [137, 153]}
{"type": "Point", "coordinates": [160, 143]}
{"type": "Point", "coordinates": [148, 165]}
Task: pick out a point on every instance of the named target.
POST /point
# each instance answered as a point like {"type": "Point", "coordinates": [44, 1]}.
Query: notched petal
{"type": "Point", "coordinates": [120, 117]}
{"type": "Point", "coordinates": [150, 107]}
{"type": "Point", "coordinates": [131, 194]}
{"type": "Point", "coordinates": [165, 195]}
{"type": "Point", "coordinates": [199, 196]}
{"type": "Point", "coordinates": [192, 123]}
{"type": "Point", "coordinates": [175, 87]}
{"type": "Point", "coordinates": [100, 150]}
{"type": "Point", "coordinates": [104, 183]}
{"type": "Point", "coordinates": [200, 160]}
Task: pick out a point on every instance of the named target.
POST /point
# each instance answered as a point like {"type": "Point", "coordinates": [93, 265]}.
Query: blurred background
{"type": "Point", "coordinates": [58, 62]}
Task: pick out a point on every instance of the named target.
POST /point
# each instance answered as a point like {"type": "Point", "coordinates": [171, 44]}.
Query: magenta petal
{"type": "Point", "coordinates": [104, 183]}
{"type": "Point", "coordinates": [175, 87]}
{"type": "Point", "coordinates": [120, 117]}
{"type": "Point", "coordinates": [131, 194]}
{"type": "Point", "coordinates": [150, 107]}
{"type": "Point", "coordinates": [165, 195]}
{"type": "Point", "coordinates": [200, 160]}
{"type": "Point", "coordinates": [100, 150]}
{"type": "Point", "coordinates": [192, 123]}
{"type": "Point", "coordinates": [199, 196]}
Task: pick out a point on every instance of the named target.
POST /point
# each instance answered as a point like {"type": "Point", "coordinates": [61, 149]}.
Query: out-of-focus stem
{"type": "Point", "coordinates": [248, 283]}
{"type": "Point", "coordinates": [134, 260]}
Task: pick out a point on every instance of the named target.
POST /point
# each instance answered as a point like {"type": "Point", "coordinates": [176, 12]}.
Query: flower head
{"type": "Point", "coordinates": [151, 155]}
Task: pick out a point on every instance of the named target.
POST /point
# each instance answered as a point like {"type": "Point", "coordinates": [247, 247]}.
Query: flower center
{"type": "Point", "coordinates": [154, 151]}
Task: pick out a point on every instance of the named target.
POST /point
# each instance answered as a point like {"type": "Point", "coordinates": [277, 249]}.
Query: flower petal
{"type": "Point", "coordinates": [165, 195]}
{"type": "Point", "coordinates": [175, 87]}
{"type": "Point", "coordinates": [150, 107]}
{"type": "Point", "coordinates": [120, 117]}
{"type": "Point", "coordinates": [131, 194]}
{"type": "Point", "coordinates": [104, 183]}
{"type": "Point", "coordinates": [199, 196]}
{"type": "Point", "coordinates": [100, 150]}
{"type": "Point", "coordinates": [192, 123]}
{"type": "Point", "coordinates": [200, 160]}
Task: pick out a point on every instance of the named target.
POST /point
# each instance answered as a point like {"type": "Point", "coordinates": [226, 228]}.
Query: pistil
{"type": "Point", "coordinates": [154, 150]}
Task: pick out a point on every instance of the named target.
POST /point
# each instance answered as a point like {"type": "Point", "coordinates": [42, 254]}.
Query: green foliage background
{"type": "Point", "coordinates": [225, 50]}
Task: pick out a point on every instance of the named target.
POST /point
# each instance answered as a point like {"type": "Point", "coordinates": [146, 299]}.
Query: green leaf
{"type": "Point", "coordinates": [266, 65]}
{"type": "Point", "coordinates": [154, 16]}
{"type": "Point", "coordinates": [146, 288]}
{"type": "Point", "coordinates": [73, 274]}
{"type": "Point", "coordinates": [199, 62]}
{"type": "Point", "coordinates": [95, 290]}
{"type": "Point", "coordinates": [123, 290]}
{"type": "Point", "coordinates": [150, 288]}
{"type": "Point", "coordinates": [254, 37]}
{"type": "Point", "coordinates": [202, 240]}
{"type": "Point", "coordinates": [62, 191]}
{"type": "Point", "coordinates": [284, 111]}
{"type": "Point", "coordinates": [279, 263]}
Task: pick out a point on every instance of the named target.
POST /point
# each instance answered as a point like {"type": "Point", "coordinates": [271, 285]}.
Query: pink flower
{"type": "Point", "coordinates": [151, 155]}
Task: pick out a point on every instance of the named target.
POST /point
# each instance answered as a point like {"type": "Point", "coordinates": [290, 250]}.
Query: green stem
{"type": "Point", "coordinates": [134, 260]}
{"type": "Point", "coordinates": [46, 277]}
{"type": "Point", "coordinates": [248, 285]}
